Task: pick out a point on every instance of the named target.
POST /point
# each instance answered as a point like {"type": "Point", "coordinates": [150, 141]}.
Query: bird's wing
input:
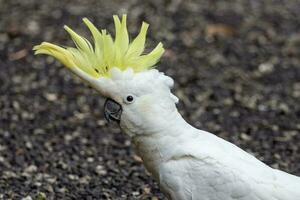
{"type": "Point", "coordinates": [275, 183]}
{"type": "Point", "coordinates": [263, 182]}
{"type": "Point", "coordinates": [213, 169]}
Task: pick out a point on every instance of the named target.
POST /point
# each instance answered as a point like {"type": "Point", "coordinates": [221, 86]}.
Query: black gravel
{"type": "Point", "coordinates": [237, 70]}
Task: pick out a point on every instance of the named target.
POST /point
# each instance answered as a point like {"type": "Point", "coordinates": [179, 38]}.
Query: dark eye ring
{"type": "Point", "coordinates": [129, 99]}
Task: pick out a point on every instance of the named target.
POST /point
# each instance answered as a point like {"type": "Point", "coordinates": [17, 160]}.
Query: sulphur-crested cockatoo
{"type": "Point", "coordinates": [188, 164]}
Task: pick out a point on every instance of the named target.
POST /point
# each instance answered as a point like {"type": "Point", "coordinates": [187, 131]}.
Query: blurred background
{"type": "Point", "coordinates": [236, 65]}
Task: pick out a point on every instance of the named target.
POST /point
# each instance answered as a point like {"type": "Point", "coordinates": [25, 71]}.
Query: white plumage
{"type": "Point", "coordinates": [188, 163]}
{"type": "Point", "coordinates": [193, 164]}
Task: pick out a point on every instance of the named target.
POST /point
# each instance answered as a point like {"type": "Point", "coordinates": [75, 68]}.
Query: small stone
{"type": "Point", "coordinates": [127, 142]}
{"type": "Point", "coordinates": [2, 147]}
{"type": "Point", "coordinates": [73, 177]}
{"type": "Point", "coordinates": [90, 159]}
{"type": "Point", "coordinates": [38, 184]}
{"type": "Point", "coordinates": [39, 131]}
{"type": "Point", "coordinates": [262, 108]}
{"type": "Point", "coordinates": [62, 190]}
{"type": "Point", "coordinates": [101, 122]}
{"type": "Point", "coordinates": [30, 169]}
{"type": "Point", "coordinates": [63, 164]}
{"type": "Point", "coordinates": [284, 107]}
{"type": "Point", "coordinates": [27, 198]}
{"type": "Point", "coordinates": [9, 174]}
{"type": "Point", "coordinates": [245, 137]}
{"type": "Point", "coordinates": [100, 170]}
{"type": "Point", "coordinates": [51, 96]}
{"type": "Point", "coordinates": [51, 180]}
{"type": "Point", "coordinates": [136, 193]}
{"type": "Point", "coordinates": [85, 180]}
{"type": "Point", "coordinates": [228, 101]}
{"type": "Point", "coordinates": [68, 137]}
{"type": "Point", "coordinates": [33, 28]}
{"type": "Point", "coordinates": [266, 68]}
{"type": "Point", "coordinates": [28, 145]}
{"type": "Point", "coordinates": [80, 115]}
{"type": "Point", "coordinates": [277, 156]}
{"type": "Point", "coordinates": [16, 105]}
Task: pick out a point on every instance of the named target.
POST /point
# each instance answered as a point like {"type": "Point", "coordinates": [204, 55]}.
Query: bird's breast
{"type": "Point", "coordinates": [150, 154]}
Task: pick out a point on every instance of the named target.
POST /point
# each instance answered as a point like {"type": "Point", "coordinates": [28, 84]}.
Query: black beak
{"type": "Point", "coordinates": [112, 110]}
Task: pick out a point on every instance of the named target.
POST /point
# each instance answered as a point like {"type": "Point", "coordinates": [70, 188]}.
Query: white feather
{"type": "Point", "coordinates": [188, 163]}
{"type": "Point", "coordinates": [191, 164]}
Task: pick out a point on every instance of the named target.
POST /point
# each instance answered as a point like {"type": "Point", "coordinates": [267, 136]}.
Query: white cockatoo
{"type": "Point", "coordinates": [188, 164]}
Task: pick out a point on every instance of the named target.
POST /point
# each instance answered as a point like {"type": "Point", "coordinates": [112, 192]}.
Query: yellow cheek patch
{"type": "Point", "coordinates": [97, 60]}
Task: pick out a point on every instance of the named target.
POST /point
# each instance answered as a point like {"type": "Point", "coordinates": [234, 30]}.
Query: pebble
{"type": "Point", "coordinates": [27, 198]}
{"type": "Point", "coordinates": [266, 68]}
{"type": "Point", "coordinates": [100, 170]}
{"type": "Point", "coordinates": [9, 174]}
{"type": "Point", "coordinates": [30, 169]}
{"type": "Point", "coordinates": [51, 96]}
{"type": "Point", "coordinates": [73, 177]}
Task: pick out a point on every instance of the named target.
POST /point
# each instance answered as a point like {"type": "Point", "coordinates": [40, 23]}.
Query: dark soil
{"type": "Point", "coordinates": [237, 70]}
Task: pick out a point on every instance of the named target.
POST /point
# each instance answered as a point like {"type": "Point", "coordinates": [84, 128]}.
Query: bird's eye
{"type": "Point", "coordinates": [129, 99]}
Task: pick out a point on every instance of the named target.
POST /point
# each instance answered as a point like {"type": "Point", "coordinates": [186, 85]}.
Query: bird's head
{"type": "Point", "coordinates": [138, 96]}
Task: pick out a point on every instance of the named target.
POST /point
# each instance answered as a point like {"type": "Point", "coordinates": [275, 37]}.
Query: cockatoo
{"type": "Point", "coordinates": [188, 164]}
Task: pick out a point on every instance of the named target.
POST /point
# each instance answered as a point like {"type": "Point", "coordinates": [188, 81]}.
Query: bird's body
{"type": "Point", "coordinates": [189, 164]}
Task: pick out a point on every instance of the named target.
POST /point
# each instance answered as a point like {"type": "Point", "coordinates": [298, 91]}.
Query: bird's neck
{"type": "Point", "coordinates": [153, 147]}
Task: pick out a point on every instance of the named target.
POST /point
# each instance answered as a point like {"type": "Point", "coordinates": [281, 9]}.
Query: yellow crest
{"type": "Point", "coordinates": [106, 53]}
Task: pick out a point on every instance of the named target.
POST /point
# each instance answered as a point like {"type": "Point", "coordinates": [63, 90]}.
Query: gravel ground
{"type": "Point", "coordinates": [237, 70]}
